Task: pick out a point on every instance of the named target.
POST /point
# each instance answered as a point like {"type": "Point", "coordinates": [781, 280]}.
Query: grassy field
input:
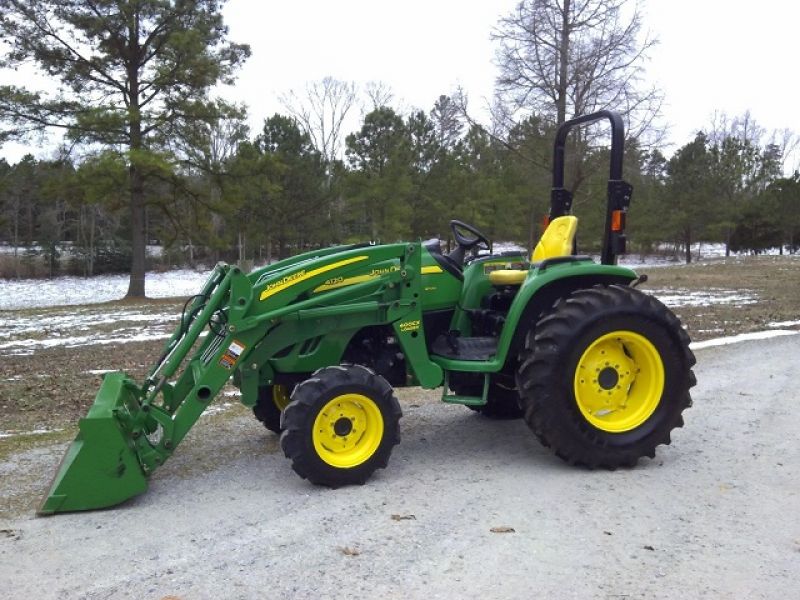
{"type": "Point", "coordinates": [770, 286]}
{"type": "Point", "coordinates": [53, 386]}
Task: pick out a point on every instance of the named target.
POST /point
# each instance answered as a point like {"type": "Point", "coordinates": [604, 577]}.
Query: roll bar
{"type": "Point", "coordinates": [619, 191]}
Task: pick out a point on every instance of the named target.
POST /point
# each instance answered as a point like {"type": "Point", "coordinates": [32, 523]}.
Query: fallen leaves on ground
{"type": "Point", "coordinates": [348, 551]}
{"type": "Point", "coordinates": [404, 518]}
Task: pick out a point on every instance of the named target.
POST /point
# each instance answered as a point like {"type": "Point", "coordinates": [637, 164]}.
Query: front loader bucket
{"type": "Point", "coordinates": [100, 467]}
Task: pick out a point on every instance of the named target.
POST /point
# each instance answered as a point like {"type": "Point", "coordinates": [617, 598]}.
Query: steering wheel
{"type": "Point", "coordinates": [465, 243]}
{"type": "Point", "coordinates": [468, 243]}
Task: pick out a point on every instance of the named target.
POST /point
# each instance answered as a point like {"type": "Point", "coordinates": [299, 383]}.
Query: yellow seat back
{"type": "Point", "coordinates": [557, 239]}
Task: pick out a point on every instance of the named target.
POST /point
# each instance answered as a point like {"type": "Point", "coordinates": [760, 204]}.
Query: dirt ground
{"type": "Point", "coordinates": [468, 507]}
{"type": "Point", "coordinates": [770, 284]}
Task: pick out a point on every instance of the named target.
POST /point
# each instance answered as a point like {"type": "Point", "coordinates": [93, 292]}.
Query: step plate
{"type": "Point", "coordinates": [466, 348]}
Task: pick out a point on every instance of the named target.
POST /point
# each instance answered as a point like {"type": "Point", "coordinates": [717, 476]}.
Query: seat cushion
{"type": "Point", "coordinates": [507, 277]}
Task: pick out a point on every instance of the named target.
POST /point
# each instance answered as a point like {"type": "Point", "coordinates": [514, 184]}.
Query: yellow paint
{"type": "Point", "coordinates": [507, 277]}
{"type": "Point", "coordinates": [363, 433]}
{"type": "Point", "coordinates": [409, 326]}
{"type": "Point", "coordinates": [557, 239]}
{"type": "Point", "coordinates": [431, 270]}
{"type": "Point", "coordinates": [337, 282]}
{"type": "Point", "coordinates": [384, 270]}
{"type": "Point", "coordinates": [280, 396]}
{"type": "Point", "coordinates": [632, 387]}
{"type": "Point", "coordinates": [295, 278]}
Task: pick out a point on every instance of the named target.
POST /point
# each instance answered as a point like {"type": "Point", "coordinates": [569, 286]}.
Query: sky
{"type": "Point", "coordinates": [714, 55]}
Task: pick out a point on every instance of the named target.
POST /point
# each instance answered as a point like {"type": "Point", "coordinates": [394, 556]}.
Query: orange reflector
{"type": "Point", "coordinates": [545, 222]}
{"type": "Point", "coordinates": [617, 220]}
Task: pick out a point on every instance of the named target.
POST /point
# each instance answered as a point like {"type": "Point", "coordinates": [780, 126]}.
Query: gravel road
{"type": "Point", "coordinates": [714, 515]}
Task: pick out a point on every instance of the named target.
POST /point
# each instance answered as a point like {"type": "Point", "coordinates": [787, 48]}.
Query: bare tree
{"type": "Point", "coordinates": [562, 59]}
{"type": "Point", "coordinates": [379, 94]}
{"type": "Point", "coordinates": [321, 111]}
{"type": "Point", "coordinates": [744, 127]}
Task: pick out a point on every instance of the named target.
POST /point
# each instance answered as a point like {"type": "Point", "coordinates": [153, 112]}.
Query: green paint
{"type": "Point", "coordinates": [254, 336]}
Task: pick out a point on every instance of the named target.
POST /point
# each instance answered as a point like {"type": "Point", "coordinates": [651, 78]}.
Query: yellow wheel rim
{"type": "Point", "coordinates": [348, 430]}
{"type": "Point", "coordinates": [280, 396]}
{"type": "Point", "coordinates": [619, 381]}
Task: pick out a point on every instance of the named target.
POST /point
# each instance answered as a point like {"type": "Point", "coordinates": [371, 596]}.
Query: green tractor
{"type": "Point", "coordinates": [600, 371]}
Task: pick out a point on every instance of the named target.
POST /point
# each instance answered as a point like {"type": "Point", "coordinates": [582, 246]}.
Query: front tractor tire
{"type": "Point", "coordinates": [605, 377]}
{"type": "Point", "coordinates": [341, 425]}
{"type": "Point", "coordinates": [272, 401]}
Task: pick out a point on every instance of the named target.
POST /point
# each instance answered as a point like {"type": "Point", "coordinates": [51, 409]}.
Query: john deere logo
{"type": "Point", "coordinates": [285, 280]}
{"type": "Point", "coordinates": [376, 272]}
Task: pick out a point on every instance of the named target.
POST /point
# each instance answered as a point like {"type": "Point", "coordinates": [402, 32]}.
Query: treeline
{"type": "Point", "coordinates": [228, 195]}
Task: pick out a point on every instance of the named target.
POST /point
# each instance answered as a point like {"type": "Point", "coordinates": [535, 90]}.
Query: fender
{"type": "Point", "coordinates": [546, 282]}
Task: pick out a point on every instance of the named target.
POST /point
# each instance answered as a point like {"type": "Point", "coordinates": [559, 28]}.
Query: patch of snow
{"type": "Point", "coordinates": [638, 262]}
{"type": "Point", "coordinates": [742, 337]}
{"type": "Point", "coordinates": [7, 434]}
{"type": "Point", "coordinates": [68, 291]}
{"type": "Point", "coordinates": [217, 408]}
{"type": "Point", "coordinates": [78, 327]}
{"type": "Point", "coordinates": [783, 324]}
{"type": "Point", "coordinates": [100, 371]}
{"type": "Point", "coordinates": [29, 346]}
{"type": "Point", "coordinates": [79, 320]}
{"type": "Point", "coordinates": [677, 297]}
{"type": "Point", "coordinates": [500, 247]}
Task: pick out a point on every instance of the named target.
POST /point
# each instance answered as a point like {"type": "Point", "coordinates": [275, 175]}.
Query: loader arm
{"type": "Point", "coordinates": [237, 323]}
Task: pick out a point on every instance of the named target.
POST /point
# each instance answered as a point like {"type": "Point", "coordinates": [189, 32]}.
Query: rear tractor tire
{"type": "Point", "coordinates": [341, 425]}
{"type": "Point", "coordinates": [605, 377]}
{"type": "Point", "coordinates": [272, 401]}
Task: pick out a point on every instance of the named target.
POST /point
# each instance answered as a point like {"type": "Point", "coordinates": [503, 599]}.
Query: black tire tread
{"type": "Point", "coordinates": [265, 410]}
{"type": "Point", "coordinates": [303, 407]}
{"type": "Point", "coordinates": [546, 345]}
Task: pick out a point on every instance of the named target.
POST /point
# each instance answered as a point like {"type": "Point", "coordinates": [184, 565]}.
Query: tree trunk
{"type": "Point", "coordinates": [29, 235]}
{"type": "Point", "coordinates": [728, 233]}
{"type": "Point", "coordinates": [136, 177]}
{"type": "Point", "coordinates": [136, 284]}
{"type": "Point", "coordinates": [90, 262]}
{"type": "Point", "coordinates": [16, 238]}
{"type": "Point", "coordinates": [688, 242]}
